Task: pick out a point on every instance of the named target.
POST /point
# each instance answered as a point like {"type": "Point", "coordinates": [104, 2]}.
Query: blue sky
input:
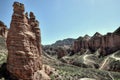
{"type": "Point", "coordinates": [60, 19]}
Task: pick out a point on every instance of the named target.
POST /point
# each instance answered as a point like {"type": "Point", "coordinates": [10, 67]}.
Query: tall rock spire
{"type": "Point", "coordinates": [24, 45]}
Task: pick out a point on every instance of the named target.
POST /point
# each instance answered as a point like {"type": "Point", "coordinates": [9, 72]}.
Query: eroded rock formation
{"type": "Point", "coordinates": [106, 43]}
{"type": "Point", "coordinates": [24, 46]}
{"type": "Point", "coordinates": [3, 29]}
{"type": "Point", "coordinates": [80, 43]}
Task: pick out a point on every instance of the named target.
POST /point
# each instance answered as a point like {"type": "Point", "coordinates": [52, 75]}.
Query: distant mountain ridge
{"type": "Point", "coordinates": [68, 42]}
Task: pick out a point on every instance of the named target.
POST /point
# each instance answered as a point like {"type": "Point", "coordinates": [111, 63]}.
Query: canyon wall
{"type": "Point", "coordinates": [105, 43]}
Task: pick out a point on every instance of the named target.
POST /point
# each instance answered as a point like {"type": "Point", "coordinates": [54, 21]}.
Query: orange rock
{"type": "Point", "coordinates": [24, 46]}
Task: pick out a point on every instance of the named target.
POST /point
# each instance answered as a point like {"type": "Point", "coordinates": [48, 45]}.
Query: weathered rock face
{"type": "Point", "coordinates": [24, 45]}
{"type": "Point", "coordinates": [3, 29]}
{"type": "Point", "coordinates": [81, 43]}
{"type": "Point", "coordinates": [95, 41]}
{"type": "Point", "coordinates": [106, 43]}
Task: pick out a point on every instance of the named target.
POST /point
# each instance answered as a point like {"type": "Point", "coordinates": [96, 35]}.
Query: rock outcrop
{"type": "Point", "coordinates": [81, 43]}
{"type": "Point", "coordinates": [107, 44]}
{"type": "Point", "coordinates": [3, 29]}
{"type": "Point", "coordinates": [24, 46]}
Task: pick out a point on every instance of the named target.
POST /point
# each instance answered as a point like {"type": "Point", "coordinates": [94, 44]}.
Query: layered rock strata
{"type": "Point", "coordinates": [105, 43]}
{"type": "Point", "coordinates": [24, 46]}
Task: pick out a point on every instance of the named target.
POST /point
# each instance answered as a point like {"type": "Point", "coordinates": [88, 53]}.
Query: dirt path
{"type": "Point", "coordinates": [105, 61]}
{"type": "Point", "coordinates": [113, 56]}
{"type": "Point", "coordinates": [111, 76]}
{"type": "Point", "coordinates": [85, 58]}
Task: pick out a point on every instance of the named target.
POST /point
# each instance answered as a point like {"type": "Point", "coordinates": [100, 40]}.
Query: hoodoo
{"type": "Point", "coordinates": [24, 45]}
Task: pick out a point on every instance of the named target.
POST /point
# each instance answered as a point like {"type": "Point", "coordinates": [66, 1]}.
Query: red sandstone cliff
{"type": "Point", "coordinates": [81, 43]}
{"type": "Point", "coordinates": [106, 43]}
